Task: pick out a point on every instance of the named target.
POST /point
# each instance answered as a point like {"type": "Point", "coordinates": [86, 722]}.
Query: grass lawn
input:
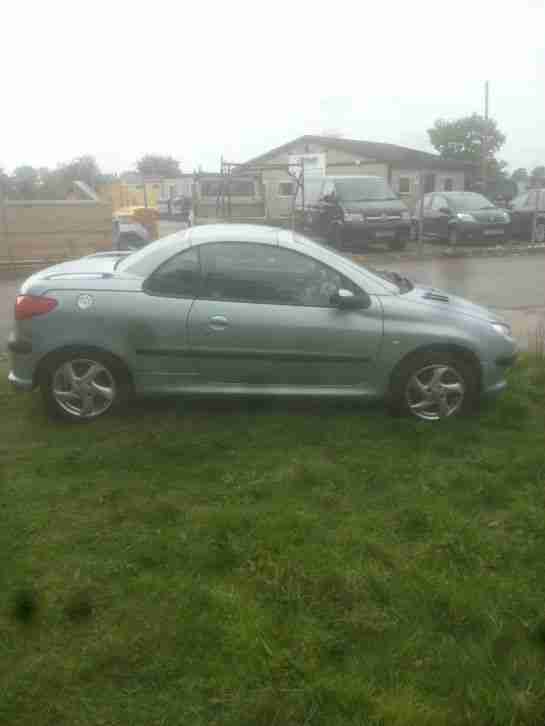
{"type": "Point", "coordinates": [273, 563]}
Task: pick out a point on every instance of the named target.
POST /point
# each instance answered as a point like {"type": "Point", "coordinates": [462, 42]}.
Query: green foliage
{"type": "Point", "coordinates": [155, 165]}
{"type": "Point", "coordinates": [520, 175]}
{"type": "Point", "coordinates": [463, 138]}
{"type": "Point", "coordinates": [290, 563]}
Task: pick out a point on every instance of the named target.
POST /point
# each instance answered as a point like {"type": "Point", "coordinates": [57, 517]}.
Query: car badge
{"type": "Point", "coordinates": [84, 302]}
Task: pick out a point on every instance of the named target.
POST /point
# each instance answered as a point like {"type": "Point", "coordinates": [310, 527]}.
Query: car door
{"type": "Point", "coordinates": [264, 317]}
{"type": "Point", "coordinates": [157, 325]}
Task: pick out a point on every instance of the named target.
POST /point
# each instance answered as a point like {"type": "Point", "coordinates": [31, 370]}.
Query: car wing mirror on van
{"type": "Point", "coordinates": [346, 300]}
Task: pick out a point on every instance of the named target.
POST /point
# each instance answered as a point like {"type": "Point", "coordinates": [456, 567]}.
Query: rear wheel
{"type": "Point", "coordinates": [433, 386]}
{"type": "Point", "coordinates": [83, 385]}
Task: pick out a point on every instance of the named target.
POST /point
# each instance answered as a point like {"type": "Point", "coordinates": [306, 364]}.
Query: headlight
{"type": "Point", "coordinates": [503, 329]}
{"type": "Point", "coordinates": [465, 217]}
{"type": "Point", "coordinates": [405, 215]}
{"type": "Point", "coordinates": [353, 217]}
{"type": "Point", "coordinates": [507, 216]}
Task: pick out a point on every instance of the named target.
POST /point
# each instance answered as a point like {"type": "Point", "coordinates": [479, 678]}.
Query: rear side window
{"type": "Point", "coordinates": [178, 277]}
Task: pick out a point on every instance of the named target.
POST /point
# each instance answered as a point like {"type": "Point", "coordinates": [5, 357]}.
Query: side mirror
{"type": "Point", "coordinates": [445, 210]}
{"type": "Point", "coordinates": [346, 300]}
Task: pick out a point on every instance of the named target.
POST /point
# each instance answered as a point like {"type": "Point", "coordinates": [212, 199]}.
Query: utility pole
{"type": "Point", "coordinates": [484, 171]}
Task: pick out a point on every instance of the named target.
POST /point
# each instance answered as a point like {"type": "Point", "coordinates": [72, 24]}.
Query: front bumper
{"type": "Point", "coordinates": [377, 231]}
{"type": "Point", "coordinates": [482, 231]}
{"type": "Point", "coordinates": [493, 380]}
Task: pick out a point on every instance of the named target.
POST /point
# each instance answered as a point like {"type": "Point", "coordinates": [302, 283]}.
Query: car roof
{"type": "Point", "coordinates": [232, 233]}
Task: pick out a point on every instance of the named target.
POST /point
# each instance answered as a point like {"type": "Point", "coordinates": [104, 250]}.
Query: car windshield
{"type": "Point", "coordinates": [363, 189]}
{"type": "Point", "coordinates": [470, 201]}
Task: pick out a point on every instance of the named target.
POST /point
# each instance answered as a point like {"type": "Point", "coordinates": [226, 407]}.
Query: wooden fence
{"type": "Point", "coordinates": [43, 232]}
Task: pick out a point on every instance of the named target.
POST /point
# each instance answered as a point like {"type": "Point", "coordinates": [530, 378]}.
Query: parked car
{"type": "Point", "coordinates": [353, 208]}
{"type": "Point", "coordinates": [459, 216]}
{"type": "Point", "coordinates": [242, 309]}
{"type": "Point", "coordinates": [522, 209]}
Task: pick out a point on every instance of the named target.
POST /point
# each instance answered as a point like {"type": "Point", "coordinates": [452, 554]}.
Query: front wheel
{"type": "Point", "coordinates": [83, 385]}
{"type": "Point", "coordinates": [433, 386]}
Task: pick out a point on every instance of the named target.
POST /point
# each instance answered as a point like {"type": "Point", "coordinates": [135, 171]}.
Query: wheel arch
{"type": "Point", "coordinates": [452, 348]}
{"type": "Point", "coordinates": [45, 362]}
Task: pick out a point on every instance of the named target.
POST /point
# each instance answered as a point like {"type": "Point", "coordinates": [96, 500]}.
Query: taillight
{"type": "Point", "coordinates": [28, 306]}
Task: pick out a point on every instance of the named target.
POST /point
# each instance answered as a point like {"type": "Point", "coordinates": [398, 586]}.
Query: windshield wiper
{"type": "Point", "coordinates": [490, 206]}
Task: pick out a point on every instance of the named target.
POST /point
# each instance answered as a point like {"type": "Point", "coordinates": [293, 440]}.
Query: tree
{"type": "Point", "coordinates": [520, 175]}
{"type": "Point", "coordinates": [463, 138]}
{"type": "Point", "coordinates": [83, 168]}
{"type": "Point", "coordinates": [537, 179]}
{"type": "Point", "coordinates": [24, 182]}
{"type": "Point", "coordinates": [157, 165]}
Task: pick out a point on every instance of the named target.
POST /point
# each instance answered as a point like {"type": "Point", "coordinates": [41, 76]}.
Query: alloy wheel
{"type": "Point", "coordinates": [435, 392]}
{"type": "Point", "coordinates": [83, 388]}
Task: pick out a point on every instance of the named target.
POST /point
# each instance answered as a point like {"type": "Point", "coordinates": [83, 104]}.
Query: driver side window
{"type": "Point", "coordinates": [266, 274]}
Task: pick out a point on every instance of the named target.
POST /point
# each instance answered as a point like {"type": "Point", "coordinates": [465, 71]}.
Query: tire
{"type": "Point", "coordinates": [418, 386]}
{"type": "Point", "coordinates": [82, 385]}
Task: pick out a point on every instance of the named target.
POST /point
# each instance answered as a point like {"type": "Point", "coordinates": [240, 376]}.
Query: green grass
{"type": "Point", "coordinates": [273, 564]}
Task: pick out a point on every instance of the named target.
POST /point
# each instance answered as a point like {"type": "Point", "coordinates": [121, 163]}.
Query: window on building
{"type": "Point", "coordinates": [232, 187]}
{"type": "Point", "coordinates": [448, 185]}
{"type": "Point", "coordinates": [286, 189]}
{"type": "Point", "coordinates": [404, 185]}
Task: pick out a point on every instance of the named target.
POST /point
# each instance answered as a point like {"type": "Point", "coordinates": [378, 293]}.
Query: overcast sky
{"type": "Point", "coordinates": [201, 79]}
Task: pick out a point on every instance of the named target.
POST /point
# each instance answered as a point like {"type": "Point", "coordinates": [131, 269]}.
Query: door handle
{"type": "Point", "coordinates": [218, 322]}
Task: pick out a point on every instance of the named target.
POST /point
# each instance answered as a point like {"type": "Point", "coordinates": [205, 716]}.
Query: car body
{"type": "Point", "coordinates": [358, 208]}
{"type": "Point", "coordinates": [523, 209]}
{"type": "Point", "coordinates": [459, 216]}
{"type": "Point", "coordinates": [242, 309]}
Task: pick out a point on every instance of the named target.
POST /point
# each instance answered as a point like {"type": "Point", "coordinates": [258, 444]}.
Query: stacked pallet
{"type": "Point", "coordinates": [39, 232]}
